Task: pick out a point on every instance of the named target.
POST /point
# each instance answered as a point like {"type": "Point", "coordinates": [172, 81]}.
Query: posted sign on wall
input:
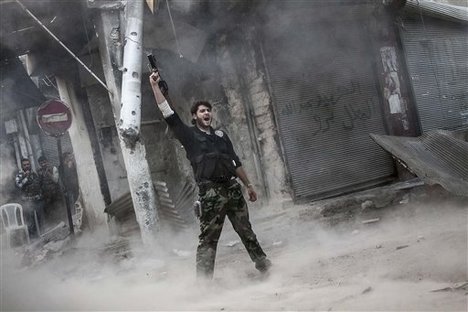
{"type": "Point", "coordinates": [54, 117]}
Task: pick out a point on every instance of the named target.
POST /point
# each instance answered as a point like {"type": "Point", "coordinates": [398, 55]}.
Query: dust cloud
{"type": "Point", "coordinates": [394, 264]}
{"type": "Point", "coordinates": [8, 169]}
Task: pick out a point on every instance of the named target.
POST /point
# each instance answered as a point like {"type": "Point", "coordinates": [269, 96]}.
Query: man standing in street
{"type": "Point", "coordinates": [70, 177]}
{"type": "Point", "coordinates": [216, 167]}
{"type": "Point", "coordinates": [49, 177]}
{"type": "Point", "coordinates": [33, 205]}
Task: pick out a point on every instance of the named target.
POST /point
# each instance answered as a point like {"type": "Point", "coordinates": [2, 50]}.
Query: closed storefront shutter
{"type": "Point", "coordinates": [320, 67]}
{"type": "Point", "coordinates": [436, 55]}
{"type": "Point", "coordinates": [49, 147]}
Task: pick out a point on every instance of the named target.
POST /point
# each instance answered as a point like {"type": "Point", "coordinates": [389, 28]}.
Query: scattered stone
{"type": "Point", "coordinates": [404, 200]}
{"type": "Point", "coordinates": [368, 204]}
{"type": "Point", "coordinates": [420, 238]}
{"type": "Point", "coordinates": [401, 247]}
{"type": "Point", "coordinates": [232, 243]}
{"type": "Point", "coordinates": [119, 249]}
{"type": "Point", "coordinates": [378, 246]}
{"type": "Point", "coordinates": [371, 221]}
{"type": "Point", "coordinates": [181, 253]}
{"type": "Point", "coordinates": [55, 246]}
{"type": "Point", "coordinates": [463, 285]}
{"type": "Point", "coordinates": [355, 232]}
{"type": "Point", "coordinates": [277, 243]}
{"type": "Point", "coordinates": [365, 291]}
{"type": "Point", "coordinates": [41, 255]}
{"type": "Point", "coordinates": [59, 232]}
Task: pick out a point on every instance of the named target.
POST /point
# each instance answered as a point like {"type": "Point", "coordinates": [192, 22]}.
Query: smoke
{"type": "Point", "coordinates": [352, 266]}
{"type": "Point", "coordinates": [8, 169]}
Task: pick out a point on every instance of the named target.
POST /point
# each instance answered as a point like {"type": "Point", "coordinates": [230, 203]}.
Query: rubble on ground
{"type": "Point", "coordinates": [53, 242]}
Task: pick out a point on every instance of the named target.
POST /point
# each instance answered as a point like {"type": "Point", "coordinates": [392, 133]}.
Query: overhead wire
{"type": "Point", "coordinates": [63, 45]}
{"type": "Point", "coordinates": [173, 29]}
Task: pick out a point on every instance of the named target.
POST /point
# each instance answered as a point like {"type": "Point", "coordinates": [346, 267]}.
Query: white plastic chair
{"type": "Point", "coordinates": [13, 220]}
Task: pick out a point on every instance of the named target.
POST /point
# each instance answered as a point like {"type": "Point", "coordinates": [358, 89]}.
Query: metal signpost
{"type": "Point", "coordinates": [54, 118]}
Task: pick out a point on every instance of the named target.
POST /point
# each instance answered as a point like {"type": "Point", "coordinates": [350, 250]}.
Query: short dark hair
{"type": "Point", "coordinates": [25, 159]}
{"type": "Point", "coordinates": [42, 158]}
{"type": "Point", "coordinates": [195, 105]}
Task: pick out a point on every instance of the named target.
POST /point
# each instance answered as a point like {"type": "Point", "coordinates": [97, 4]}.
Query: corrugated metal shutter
{"type": "Point", "coordinates": [49, 147]}
{"type": "Point", "coordinates": [436, 55]}
{"type": "Point", "coordinates": [324, 89]}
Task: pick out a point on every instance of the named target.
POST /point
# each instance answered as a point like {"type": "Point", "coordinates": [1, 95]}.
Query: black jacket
{"type": "Point", "coordinates": [212, 155]}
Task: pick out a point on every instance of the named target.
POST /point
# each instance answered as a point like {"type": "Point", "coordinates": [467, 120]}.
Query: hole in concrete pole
{"type": "Point", "coordinates": [135, 75]}
{"type": "Point", "coordinates": [125, 70]}
{"type": "Point", "coordinates": [133, 113]}
{"type": "Point", "coordinates": [133, 33]}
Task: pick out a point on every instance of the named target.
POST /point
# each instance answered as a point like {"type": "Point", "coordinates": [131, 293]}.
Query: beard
{"type": "Point", "coordinates": [202, 123]}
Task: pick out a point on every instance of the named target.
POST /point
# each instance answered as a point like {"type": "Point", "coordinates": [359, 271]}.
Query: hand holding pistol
{"type": "Point", "coordinates": [154, 68]}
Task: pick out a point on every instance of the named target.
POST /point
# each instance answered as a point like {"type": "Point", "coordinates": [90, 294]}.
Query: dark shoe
{"type": "Point", "coordinates": [263, 265]}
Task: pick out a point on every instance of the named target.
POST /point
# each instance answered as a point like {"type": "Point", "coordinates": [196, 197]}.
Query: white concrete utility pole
{"type": "Point", "coordinates": [130, 115]}
{"type": "Point", "coordinates": [126, 109]}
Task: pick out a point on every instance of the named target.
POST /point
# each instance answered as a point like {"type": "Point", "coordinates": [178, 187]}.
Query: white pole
{"type": "Point", "coordinates": [130, 114]}
{"type": "Point", "coordinates": [128, 118]}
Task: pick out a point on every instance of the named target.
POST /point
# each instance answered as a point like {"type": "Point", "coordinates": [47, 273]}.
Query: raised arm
{"type": "Point", "coordinates": [181, 130]}
{"type": "Point", "coordinates": [161, 101]}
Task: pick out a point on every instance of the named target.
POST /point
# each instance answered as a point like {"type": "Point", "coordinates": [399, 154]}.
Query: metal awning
{"type": "Point", "coordinates": [438, 10]}
{"type": "Point", "coordinates": [437, 157]}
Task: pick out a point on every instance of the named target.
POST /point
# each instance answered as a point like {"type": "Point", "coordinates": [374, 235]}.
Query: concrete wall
{"type": "Point", "coordinates": [250, 106]}
{"type": "Point", "coordinates": [92, 197]}
{"type": "Point", "coordinates": [235, 83]}
{"type": "Point", "coordinates": [108, 141]}
{"type": "Point", "coordinates": [104, 123]}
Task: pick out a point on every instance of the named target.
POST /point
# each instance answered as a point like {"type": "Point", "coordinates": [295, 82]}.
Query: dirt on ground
{"type": "Point", "coordinates": [410, 256]}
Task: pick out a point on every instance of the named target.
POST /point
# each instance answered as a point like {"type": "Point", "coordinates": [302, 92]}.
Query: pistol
{"type": "Point", "coordinates": [154, 68]}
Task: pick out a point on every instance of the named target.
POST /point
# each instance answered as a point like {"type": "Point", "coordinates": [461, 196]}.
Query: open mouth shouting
{"type": "Point", "coordinates": [203, 117]}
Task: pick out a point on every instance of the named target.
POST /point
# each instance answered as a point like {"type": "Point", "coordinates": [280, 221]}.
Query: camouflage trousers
{"type": "Point", "coordinates": [217, 202]}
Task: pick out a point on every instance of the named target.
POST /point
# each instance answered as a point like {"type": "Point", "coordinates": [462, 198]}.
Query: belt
{"type": "Point", "coordinates": [217, 181]}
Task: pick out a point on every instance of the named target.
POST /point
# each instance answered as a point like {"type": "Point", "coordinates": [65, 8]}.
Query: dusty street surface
{"type": "Point", "coordinates": [394, 264]}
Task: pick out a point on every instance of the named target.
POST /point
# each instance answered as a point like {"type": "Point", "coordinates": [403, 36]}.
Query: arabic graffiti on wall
{"type": "Point", "coordinates": [344, 107]}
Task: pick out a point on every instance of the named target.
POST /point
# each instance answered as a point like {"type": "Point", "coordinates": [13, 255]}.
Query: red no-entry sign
{"type": "Point", "coordinates": [54, 117]}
